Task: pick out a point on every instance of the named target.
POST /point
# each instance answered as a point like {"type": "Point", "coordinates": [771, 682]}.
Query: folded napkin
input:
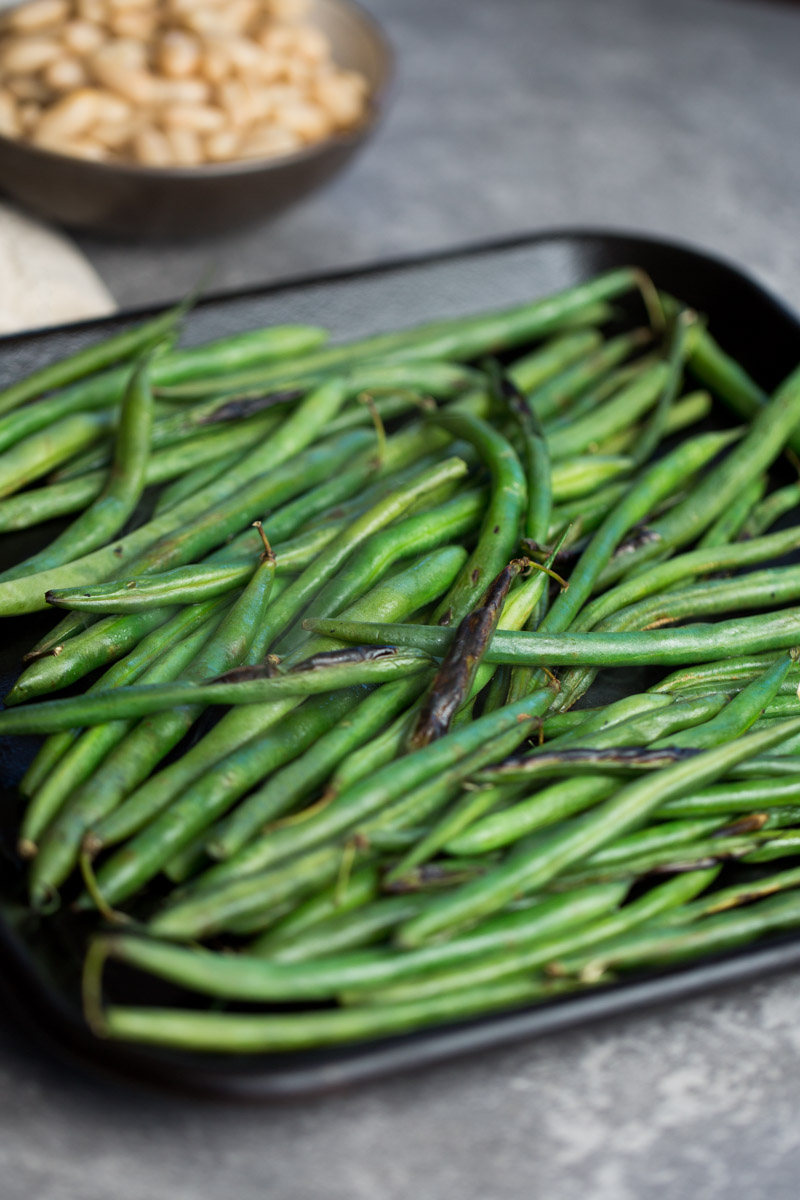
{"type": "Point", "coordinates": [44, 278]}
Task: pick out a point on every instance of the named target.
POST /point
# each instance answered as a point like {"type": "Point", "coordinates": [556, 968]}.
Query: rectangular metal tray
{"type": "Point", "coordinates": [39, 962]}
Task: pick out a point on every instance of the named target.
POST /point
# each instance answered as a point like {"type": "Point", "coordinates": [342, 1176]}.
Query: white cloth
{"type": "Point", "coordinates": [44, 279]}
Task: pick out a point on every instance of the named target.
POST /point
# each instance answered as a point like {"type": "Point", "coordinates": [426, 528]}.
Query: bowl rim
{"type": "Point", "coordinates": [376, 109]}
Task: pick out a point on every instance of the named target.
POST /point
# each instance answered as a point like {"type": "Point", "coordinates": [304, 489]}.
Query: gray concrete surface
{"type": "Point", "coordinates": [679, 118]}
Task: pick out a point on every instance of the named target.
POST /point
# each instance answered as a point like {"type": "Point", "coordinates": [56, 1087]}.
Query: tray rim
{"type": "Point", "coordinates": [402, 262]}
{"type": "Point", "coordinates": [50, 1018]}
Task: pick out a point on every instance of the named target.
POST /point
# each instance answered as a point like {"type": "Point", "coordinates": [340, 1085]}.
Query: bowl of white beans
{"type": "Point", "coordinates": [163, 118]}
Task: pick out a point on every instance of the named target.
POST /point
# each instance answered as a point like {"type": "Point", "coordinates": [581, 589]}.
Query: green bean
{"type": "Point", "coordinates": [755, 452]}
{"type": "Point", "coordinates": [617, 413]}
{"type": "Point", "coordinates": [140, 700]}
{"type": "Point", "coordinates": [183, 585]}
{"type": "Point", "coordinates": [771, 509]}
{"type": "Point", "coordinates": [88, 751]}
{"type": "Point", "coordinates": [38, 454]}
{"type": "Point", "coordinates": [535, 453]}
{"type": "Point", "coordinates": [415, 534]}
{"type": "Point", "coordinates": [723, 899]}
{"type": "Point", "coordinates": [637, 732]}
{"type": "Point", "coordinates": [236, 1033]}
{"type": "Point", "coordinates": [426, 800]}
{"type": "Point", "coordinates": [726, 378]}
{"type": "Point", "coordinates": [529, 869]}
{"type": "Point", "coordinates": [609, 385]}
{"type": "Point", "coordinates": [547, 807]}
{"type": "Point", "coordinates": [555, 395]}
{"type": "Point", "coordinates": [302, 591]}
{"type": "Point", "coordinates": [737, 716]}
{"type": "Point", "coordinates": [132, 759]}
{"type": "Point", "coordinates": [202, 421]}
{"type": "Point", "coordinates": [99, 646]}
{"type": "Point", "coordinates": [655, 946]}
{"type": "Point", "coordinates": [256, 979]}
{"type": "Point", "coordinates": [541, 364]}
{"type": "Point", "coordinates": [200, 362]}
{"type": "Point", "coordinates": [652, 486]}
{"type": "Point", "coordinates": [126, 670]}
{"type": "Point", "coordinates": [407, 590]}
{"type": "Point", "coordinates": [51, 774]}
{"type": "Point", "coordinates": [186, 485]}
{"type": "Point", "coordinates": [644, 911]}
{"type": "Point", "coordinates": [663, 837]}
{"type": "Point", "coordinates": [205, 519]}
{"type": "Point", "coordinates": [231, 838]}
{"type": "Point", "coordinates": [689, 410]}
{"type": "Point", "coordinates": [573, 519]}
{"type": "Point", "coordinates": [500, 527]}
{"type": "Point", "coordinates": [361, 887]}
{"type": "Point", "coordinates": [783, 846]}
{"type": "Point", "coordinates": [116, 348]}
{"type": "Point", "coordinates": [663, 576]}
{"type": "Point", "coordinates": [729, 523]}
{"type": "Point", "coordinates": [756, 589]}
{"type": "Point", "coordinates": [465, 339]}
{"type": "Point", "coordinates": [44, 503]}
{"type": "Point", "coordinates": [580, 476]}
{"type": "Point", "coordinates": [456, 677]}
{"type": "Point", "coordinates": [690, 643]}
{"type": "Point", "coordinates": [656, 426]}
{"type": "Point", "coordinates": [208, 908]}
{"type": "Point", "coordinates": [225, 781]}
{"type": "Point", "coordinates": [602, 720]}
{"type": "Point", "coordinates": [117, 502]}
{"type": "Point", "coordinates": [745, 797]}
{"type": "Point", "coordinates": [465, 811]}
{"type": "Point", "coordinates": [347, 931]}
{"type": "Point", "coordinates": [592, 964]}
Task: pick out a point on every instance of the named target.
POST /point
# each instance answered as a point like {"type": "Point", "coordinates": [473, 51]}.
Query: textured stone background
{"type": "Point", "coordinates": [671, 116]}
{"type": "Point", "coordinates": [678, 118]}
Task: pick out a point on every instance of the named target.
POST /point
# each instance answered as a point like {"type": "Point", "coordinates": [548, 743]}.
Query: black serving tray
{"type": "Point", "coordinates": [39, 962]}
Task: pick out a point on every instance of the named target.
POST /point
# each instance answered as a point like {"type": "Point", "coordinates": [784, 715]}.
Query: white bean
{"type": "Point", "coordinates": [178, 54]}
{"type": "Point", "coordinates": [151, 148]}
{"type": "Point", "coordinates": [187, 150]}
{"type": "Point", "coordinates": [116, 134]}
{"type": "Point", "coordinates": [309, 121]}
{"type": "Point", "coordinates": [37, 14]}
{"type": "Point", "coordinates": [133, 24]}
{"type": "Point", "coordinates": [70, 117]}
{"type": "Point", "coordinates": [9, 117]}
{"type": "Point", "coordinates": [82, 37]}
{"type": "Point", "coordinates": [85, 148]}
{"type": "Point", "coordinates": [222, 146]}
{"type": "Point", "coordinates": [64, 74]}
{"type": "Point", "coordinates": [202, 118]}
{"type": "Point", "coordinates": [29, 114]}
{"type": "Point", "coordinates": [342, 94]}
{"type": "Point", "coordinates": [24, 55]}
{"type": "Point", "coordinates": [312, 44]}
{"type": "Point", "coordinates": [215, 65]}
{"type": "Point", "coordinates": [183, 91]}
{"type": "Point", "coordinates": [241, 103]}
{"type": "Point", "coordinates": [92, 10]}
{"type": "Point", "coordinates": [111, 66]}
{"type": "Point", "coordinates": [28, 87]}
{"type": "Point", "coordinates": [289, 10]}
{"type": "Point", "coordinates": [270, 142]}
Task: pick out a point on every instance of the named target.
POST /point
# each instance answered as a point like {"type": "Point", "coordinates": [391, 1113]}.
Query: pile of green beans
{"type": "Point", "coordinates": [350, 747]}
